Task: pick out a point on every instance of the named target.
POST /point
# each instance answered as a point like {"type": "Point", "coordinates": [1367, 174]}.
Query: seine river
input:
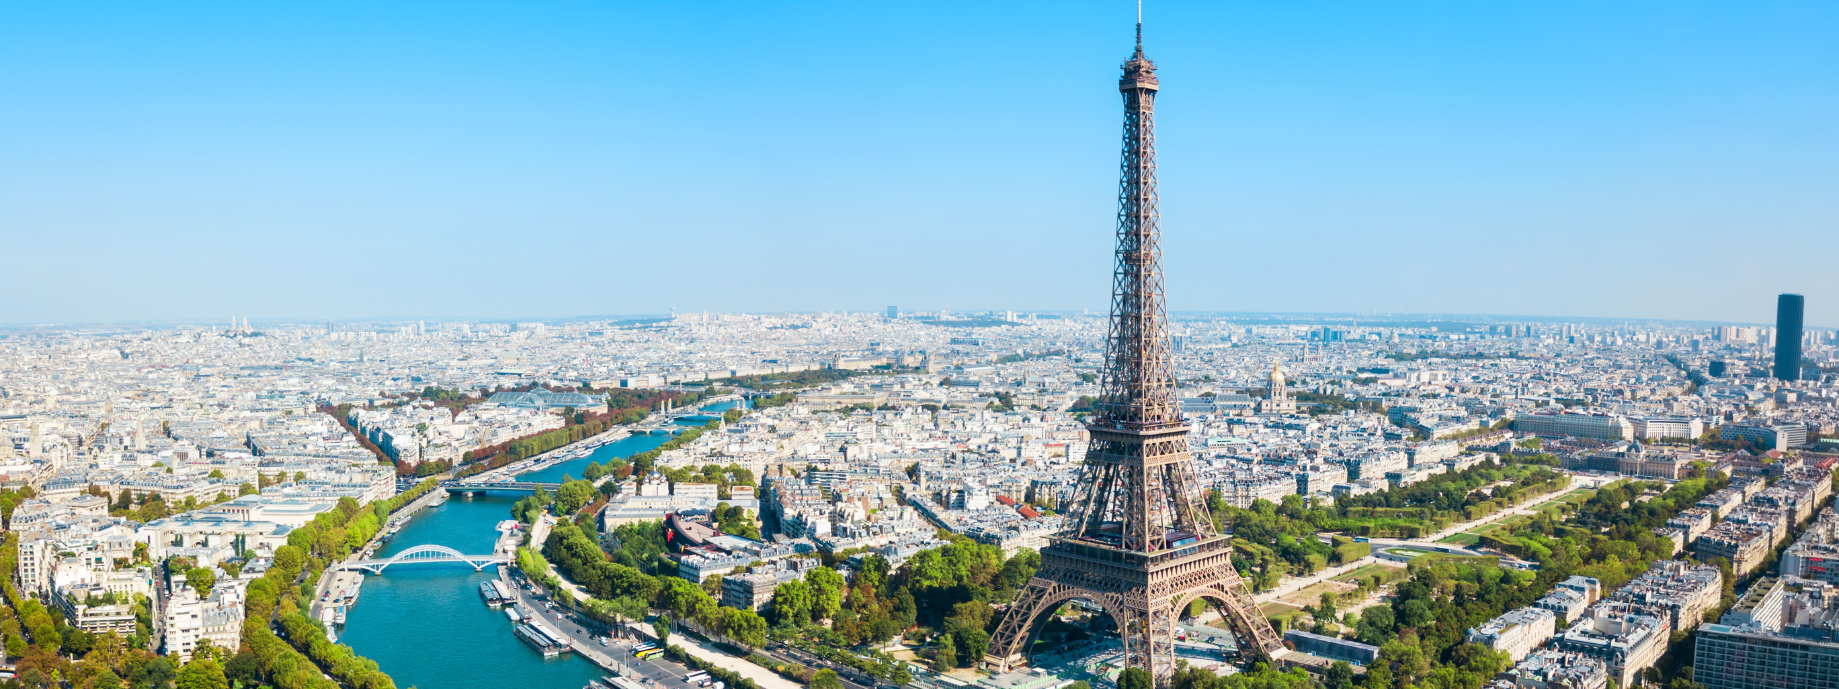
{"type": "Point", "coordinates": [626, 447]}
{"type": "Point", "coordinates": [426, 625]}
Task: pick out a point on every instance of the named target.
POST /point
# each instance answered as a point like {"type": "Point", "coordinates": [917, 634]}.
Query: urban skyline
{"type": "Point", "coordinates": [1383, 319]}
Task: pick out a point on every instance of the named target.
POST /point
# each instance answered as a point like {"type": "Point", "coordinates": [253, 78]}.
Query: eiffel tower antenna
{"type": "Point", "coordinates": [1139, 541]}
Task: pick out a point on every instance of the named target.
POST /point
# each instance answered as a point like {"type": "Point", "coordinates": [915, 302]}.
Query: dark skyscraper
{"type": "Point", "coordinates": [1788, 311]}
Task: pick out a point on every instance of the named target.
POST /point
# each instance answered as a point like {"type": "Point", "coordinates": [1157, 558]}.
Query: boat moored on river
{"type": "Point", "coordinates": [493, 592]}
{"type": "Point", "coordinates": [540, 640]}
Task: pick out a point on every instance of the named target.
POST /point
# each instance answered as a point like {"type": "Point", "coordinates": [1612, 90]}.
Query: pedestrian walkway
{"type": "Point", "coordinates": [767, 679]}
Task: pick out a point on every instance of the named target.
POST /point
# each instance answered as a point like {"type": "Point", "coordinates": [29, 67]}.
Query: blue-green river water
{"type": "Point", "coordinates": [426, 625]}
{"type": "Point", "coordinates": [625, 447]}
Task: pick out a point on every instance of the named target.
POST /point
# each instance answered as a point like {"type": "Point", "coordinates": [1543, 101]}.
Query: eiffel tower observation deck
{"type": "Point", "coordinates": [1139, 541]}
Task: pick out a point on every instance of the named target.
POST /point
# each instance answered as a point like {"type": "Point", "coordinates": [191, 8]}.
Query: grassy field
{"type": "Point", "coordinates": [1461, 539]}
{"type": "Point", "coordinates": [1555, 509]}
{"type": "Point", "coordinates": [1276, 608]}
{"type": "Point", "coordinates": [1365, 571]}
{"type": "Point", "coordinates": [1409, 551]}
{"type": "Point", "coordinates": [1569, 502]}
{"type": "Point", "coordinates": [1504, 526]}
{"type": "Point", "coordinates": [1312, 594]}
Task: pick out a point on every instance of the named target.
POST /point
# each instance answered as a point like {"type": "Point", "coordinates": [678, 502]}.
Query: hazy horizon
{"type": "Point", "coordinates": [1361, 319]}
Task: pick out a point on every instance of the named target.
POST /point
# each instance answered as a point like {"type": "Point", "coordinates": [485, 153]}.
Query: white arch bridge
{"type": "Point", "coordinates": [425, 554]}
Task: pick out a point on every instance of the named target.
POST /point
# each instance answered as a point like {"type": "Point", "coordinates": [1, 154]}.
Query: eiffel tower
{"type": "Point", "coordinates": [1139, 540]}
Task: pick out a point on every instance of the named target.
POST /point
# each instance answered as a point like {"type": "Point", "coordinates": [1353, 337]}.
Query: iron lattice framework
{"type": "Point", "coordinates": [1139, 541]}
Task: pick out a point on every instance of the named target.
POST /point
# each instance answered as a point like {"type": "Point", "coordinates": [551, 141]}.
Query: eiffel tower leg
{"type": "Point", "coordinates": [1257, 639]}
{"type": "Point", "coordinates": [1005, 651]}
{"type": "Point", "coordinates": [1162, 640]}
{"type": "Point", "coordinates": [1133, 631]}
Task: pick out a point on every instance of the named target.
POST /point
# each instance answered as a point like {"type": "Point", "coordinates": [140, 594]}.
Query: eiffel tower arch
{"type": "Point", "coordinates": [1139, 541]}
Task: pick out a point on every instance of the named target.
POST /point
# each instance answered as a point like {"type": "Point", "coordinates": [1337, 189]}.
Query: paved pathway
{"type": "Point", "coordinates": [767, 679]}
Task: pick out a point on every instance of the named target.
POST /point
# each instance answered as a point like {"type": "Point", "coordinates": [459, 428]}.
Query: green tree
{"type": "Point", "coordinates": [1135, 678]}
{"type": "Point", "coordinates": [1415, 613]}
{"type": "Point", "coordinates": [973, 642]}
{"type": "Point", "coordinates": [202, 674]}
{"type": "Point", "coordinates": [154, 673]}
{"type": "Point", "coordinates": [1376, 625]}
{"type": "Point", "coordinates": [1326, 611]}
{"type": "Point", "coordinates": [744, 626]}
{"type": "Point", "coordinates": [827, 589]}
{"type": "Point", "coordinates": [662, 628]}
{"type": "Point", "coordinates": [1405, 658]}
{"type": "Point", "coordinates": [77, 643]}
{"type": "Point", "coordinates": [243, 669]}
{"type": "Point", "coordinates": [573, 496]}
{"type": "Point", "coordinates": [825, 679]}
{"type": "Point", "coordinates": [107, 679]}
{"type": "Point", "coordinates": [247, 489]}
{"type": "Point", "coordinates": [1339, 676]}
{"type": "Point", "coordinates": [289, 558]}
{"type": "Point", "coordinates": [946, 656]}
{"type": "Point", "coordinates": [792, 603]}
{"type": "Point", "coordinates": [155, 508]}
{"type": "Point", "coordinates": [201, 580]}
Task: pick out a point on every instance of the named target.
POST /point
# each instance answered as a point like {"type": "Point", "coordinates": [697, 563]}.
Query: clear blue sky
{"type": "Point", "coordinates": [354, 160]}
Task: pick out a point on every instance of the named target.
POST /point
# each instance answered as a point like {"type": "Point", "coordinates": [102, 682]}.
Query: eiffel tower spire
{"type": "Point", "coordinates": [1138, 541]}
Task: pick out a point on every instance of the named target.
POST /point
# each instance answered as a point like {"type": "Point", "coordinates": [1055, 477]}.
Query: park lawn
{"type": "Point", "coordinates": [1464, 539]}
{"type": "Point", "coordinates": [1555, 508]}
{"type": "Point", "coordinates": [1388, 573]}
{"type": "Point", "coordinates": [1276, 608]}
{"type": "Point", "coordinates": [1366, 571]}
{"type": "Point", "coordinates": [1312, 593]}
{"type": "Point", "coordinates": [1505, 525]}
{"type": "Point", "coordinates": [1577, 497]}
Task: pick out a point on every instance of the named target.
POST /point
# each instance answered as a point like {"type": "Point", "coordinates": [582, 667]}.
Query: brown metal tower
{"type": "Point", "coordinates": [1139, 541]}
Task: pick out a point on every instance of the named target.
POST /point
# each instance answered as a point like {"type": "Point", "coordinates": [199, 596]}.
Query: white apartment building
{"type": "Point", "coordinates": [1662, 427]}
{"type": "Point", "coordinates": [1595, 426]}
{"type": "Point", "coordinates": [190, 621]}
{"type": "Point", "coordinates": [699, 491]}
{"type": "Point", "coordinates": [1517, 632]}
